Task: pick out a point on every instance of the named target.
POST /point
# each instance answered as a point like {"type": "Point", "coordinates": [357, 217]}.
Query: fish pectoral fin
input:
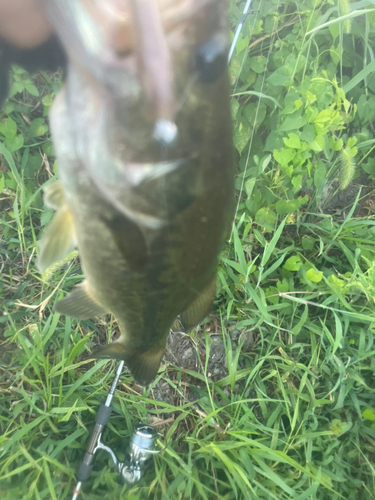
{"type": "Point", "coordinates": [58, 239]}
{"type": "Point", "coordinates": [200, 306]}
{"type": "Point", "coordinates": [80, 303]}
{"type": "Point", "coordinates": [54, 196]}
{"type": "Point", "coordinates": [143, 365]}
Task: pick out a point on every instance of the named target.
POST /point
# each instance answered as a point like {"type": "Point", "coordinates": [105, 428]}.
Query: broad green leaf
{"type": "Point", "coordinates": [308, 242]}
{"type": "Point", "coordinates": [265, 217]}
{"type": "Point", "coordinates": [258, 63]}
{"type": "Point", "coordinates": [15, 143]}
{"type": "Point", "coordinates": [234, 107]}
{"type": "Point", "coordinates": [308, 133]}
{"type": "Point", "coordinates": [334, 29]}
{"type": "Point", "coordinates": [281, 77]}
{"type": "Point", "coordinates": [31, 89]}
{"type": "Point", "coordinates": [335, 54]}
{"type": "Point", "coordinates": [48, 100]}
{"type": "Point", "coordinates": [249, 186]}
{"type": "Point", "coordinates": [292, 141]}
{"type": "Point", "coordinates": [335, 145]}
{"type": "Point", "coordinates": [293, 263]}
{"type": "Point", "coordinates": [369, 414]}
{"type": "Point", "coordinates": [48, 148]}
{"type": "Point", "coordinates": [9, 128]}
{"type": "Point", "coordinates": [284, 156]}
{"type": "Point", "coordinates": [297, 183]}
{"type": "Point", "coordinates": [314, 276]}
{"type": "Point", "coordinates": [286, 207]}
{"type": "Point", "coordinates": [283, 286]}
{"type": "Point", "coordinates": [38, 127]}
{"type": "Point", "coordinates": [317, 144]}
{"type": "Point", "coordinates": [292, 122]}
{"type": "Point", "coordinates": [255, 113]}
{"type": "Point", "coordinates": [242, 43]}
{"type": "Point", "coordinates": [273, 142]}
{"type": "Point", "coordinates": [242, 135]}
{"type": "Point", "coordinates": [16, 88]}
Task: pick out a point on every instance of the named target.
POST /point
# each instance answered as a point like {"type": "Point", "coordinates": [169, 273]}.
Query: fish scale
{"type": "Point", "coordinates": [149, 217]}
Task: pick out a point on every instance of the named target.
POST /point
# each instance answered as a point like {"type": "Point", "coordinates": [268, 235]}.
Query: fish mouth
{"type": "Point", "coordinates": [139, 29]}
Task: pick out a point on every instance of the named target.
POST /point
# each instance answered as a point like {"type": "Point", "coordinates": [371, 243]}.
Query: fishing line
{"type": "Point", "coordinates": [253, 131]}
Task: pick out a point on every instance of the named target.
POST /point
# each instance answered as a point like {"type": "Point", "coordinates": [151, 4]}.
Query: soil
{"type": "Point", "coordinates": [190, 353]}
{"type": "Point", "coordinates": [339, 202]}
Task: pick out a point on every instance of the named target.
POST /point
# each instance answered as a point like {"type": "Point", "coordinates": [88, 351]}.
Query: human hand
{"type": "Point", "coordinates": [23, 23]}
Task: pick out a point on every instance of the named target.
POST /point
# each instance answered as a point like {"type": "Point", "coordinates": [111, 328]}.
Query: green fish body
{"type": "Point", "coordinates": [149, 219]}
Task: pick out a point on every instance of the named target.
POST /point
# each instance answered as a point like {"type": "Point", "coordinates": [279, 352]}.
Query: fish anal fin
{"type": "Point", "coordinates": [143, 365]}
{"type": "Point", "coordinates": [58, 239]}
{"type": "Point", "coordinates": [200, 306]}
{"type": "Point", "coordinates": [54, 196]}
{"type": "Point", "coordinates": [80, 303]}
{"type": "Point", "coordinates": [129, 240]}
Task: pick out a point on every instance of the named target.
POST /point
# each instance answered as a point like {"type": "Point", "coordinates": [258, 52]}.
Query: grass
{"type": "Point", "coordinates": [292, 413]}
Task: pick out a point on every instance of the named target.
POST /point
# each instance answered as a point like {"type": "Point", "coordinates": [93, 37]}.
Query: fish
{"type": "Point", "coordinates": [143, 138]}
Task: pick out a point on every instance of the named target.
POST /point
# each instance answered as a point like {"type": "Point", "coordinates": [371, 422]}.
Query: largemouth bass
{"type": "Point", "coordinates": [142, 134]}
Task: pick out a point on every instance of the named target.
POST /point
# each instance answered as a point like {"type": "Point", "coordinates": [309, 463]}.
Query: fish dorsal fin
{"type": "Point", "coordinates": [54, 196]}
{"type": "Point", "coordinates": [80, 303]}
{"type": "Point", "coordinates": [129, 240]}
{"type": "Point", "coordinates": [200, 306]}
{"type": "Point", "coordinates": [143, 365]}
{"type": "Point", "coordinates": [58, 239]}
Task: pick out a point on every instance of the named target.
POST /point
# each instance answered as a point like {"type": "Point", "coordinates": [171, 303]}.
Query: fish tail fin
{"type": "Point", "coordinates": [143, 365]}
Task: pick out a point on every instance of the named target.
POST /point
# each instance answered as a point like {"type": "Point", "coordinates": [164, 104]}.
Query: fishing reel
{"type": "Point", "coordinates": [139, 453]}
{"type": "Point", "coordinates": [138, 456]}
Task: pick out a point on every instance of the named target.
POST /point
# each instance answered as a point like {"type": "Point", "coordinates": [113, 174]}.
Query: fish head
{"type": "Point", "coordinates": [152, 77]}
{"type": "Point", "coordinates": [144, 58]}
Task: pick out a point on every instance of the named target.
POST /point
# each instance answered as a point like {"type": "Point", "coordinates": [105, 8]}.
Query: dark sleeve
{"type": "Point", "coordinates": [49, 56]}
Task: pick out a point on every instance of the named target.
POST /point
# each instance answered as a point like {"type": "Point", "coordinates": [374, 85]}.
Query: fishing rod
{"type": "Point", "coordinates": [245, 13]}
{"type": "Point", "coordinates": [138, 457]}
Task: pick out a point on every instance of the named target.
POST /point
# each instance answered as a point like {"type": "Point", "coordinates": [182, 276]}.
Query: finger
{"type": "Point", "coordinates": [24, 23]}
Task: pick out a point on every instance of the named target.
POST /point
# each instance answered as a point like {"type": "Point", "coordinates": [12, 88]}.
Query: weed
{"type": "Point", "coordinates": [294, 414]}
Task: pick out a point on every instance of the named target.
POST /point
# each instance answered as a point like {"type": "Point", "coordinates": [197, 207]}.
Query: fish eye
{"type": "Point", "coordinates": [211, 60]}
